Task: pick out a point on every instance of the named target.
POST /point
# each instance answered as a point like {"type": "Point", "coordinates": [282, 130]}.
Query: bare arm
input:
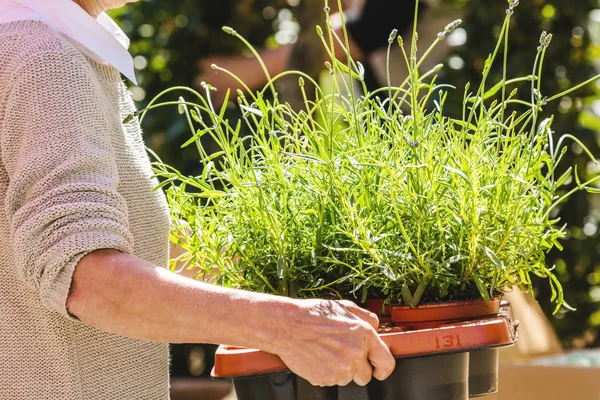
{"type": "Point", "coordinates": [244, 67]}
{"type": "Point", "coordinates": [123, 294]}
{"type": "Point", "coordinates": [326, 342]}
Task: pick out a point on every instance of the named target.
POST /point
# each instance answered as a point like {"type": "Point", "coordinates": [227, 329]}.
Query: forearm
{"type": "Point", "coordinates": [246, 68]}
{"type": "Point", "coordinates": [326, 342]}
{"type": "Point", "coordinates": [123, 294]}
{"type": "Point", "coordinates": [276, 61]}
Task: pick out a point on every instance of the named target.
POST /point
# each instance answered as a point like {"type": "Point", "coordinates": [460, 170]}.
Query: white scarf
{"type": "Point", "coordinates": [100, 39]}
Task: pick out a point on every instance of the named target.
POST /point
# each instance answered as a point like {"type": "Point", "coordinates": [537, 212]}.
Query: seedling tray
{"type": "Point", "coordinates": [452, 361]}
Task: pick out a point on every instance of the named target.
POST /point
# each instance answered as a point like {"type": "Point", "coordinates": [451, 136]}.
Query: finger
{"type": "Point", "coordinates": [363, 374]}
{"type": "Point", "coordinates": [363, 314]}
{"type": "Point", "coordinates": [347, 378]}
{"type": "Point", "coordinates": [381, 359]}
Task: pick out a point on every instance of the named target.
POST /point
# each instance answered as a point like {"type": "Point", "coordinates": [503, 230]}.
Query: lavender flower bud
{"type": "Point", "coordinates": [545, 39]}
{"type": "Point", "coordinates": [319, 31]}
{"type": "Point", "coordinates": [229, 30]}
{"type": "Point", "coordinates": [128, 119]}
{"type": "Point", "coordinates": [393, 36]}
{"type": "Point", "coordinates": [451, 27]}
{"type": "Point", "coordinates": [181, 108]}
{"type": "Point", "coordinates": [512, 4]}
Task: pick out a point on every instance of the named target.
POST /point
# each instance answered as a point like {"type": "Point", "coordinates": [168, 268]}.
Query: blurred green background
{"type": "Point", "coordinates": [571, 58]}
{"type": "Point", "coordinates": [170, 38]}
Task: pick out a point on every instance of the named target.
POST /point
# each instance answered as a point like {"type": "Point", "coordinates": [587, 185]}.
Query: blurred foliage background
{"type": "Point", "coordinates": [571, 59]}
{"type": "Point", "coordinates": [169, 38]}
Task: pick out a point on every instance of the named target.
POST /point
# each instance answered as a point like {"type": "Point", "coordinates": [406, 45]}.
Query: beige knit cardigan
{"type": "Point", "coordinates": [73, 179]}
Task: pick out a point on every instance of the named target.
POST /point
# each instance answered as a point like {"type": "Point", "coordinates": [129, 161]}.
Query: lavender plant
{"type": "Point", "coordinates": [377, 194]}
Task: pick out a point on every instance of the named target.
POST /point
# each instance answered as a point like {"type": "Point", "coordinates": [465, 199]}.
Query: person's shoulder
{"type": "Point", "coordinates": [28, 42]}
{"type": "Point", "coordinates": [27, 38]}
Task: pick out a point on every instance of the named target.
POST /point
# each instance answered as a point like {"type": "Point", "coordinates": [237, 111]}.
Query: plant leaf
{"type": "Point", "coordinates": [365, 292]}
{"type": "Point", "coordinates": [280, 267]}
{"type": "Point", "coordinates": [494, 258]}
{"type": "Point", "coordinates": [406, 295]}
{"type": "Point", "coordinates": [418, 294]}
{"type": "Point", "coordinates": [198, 135]}
{"type": "Point", "coordinates": [482, 289]}
{"type": "Point", "coordinates": [387, 271]}
{"type": "Point", "coordinates": [459, 173]}
{"type": "Point", "coordinates": [561, 181]}
{"type": "Point", "coordinates": [254, 111]}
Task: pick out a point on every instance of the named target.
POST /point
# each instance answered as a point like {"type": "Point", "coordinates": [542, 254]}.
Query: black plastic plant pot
{"type": "Point", "coordinates": [483, 372]}
{"type": "Point", "coordinates": [287, 386]}
{"type": "Point", "coordinates": [270, 387]}
{"type": "Point", "coordinates": [281, 386]}
{"type": "Point", "coordinates": [439, 377]}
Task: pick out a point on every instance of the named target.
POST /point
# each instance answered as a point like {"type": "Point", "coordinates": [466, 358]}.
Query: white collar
{"type": "Point", "coordinates": [100, 39]}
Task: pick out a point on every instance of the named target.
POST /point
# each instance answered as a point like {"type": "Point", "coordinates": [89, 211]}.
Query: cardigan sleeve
{"type": "Point", "coordinates": [62, 200]}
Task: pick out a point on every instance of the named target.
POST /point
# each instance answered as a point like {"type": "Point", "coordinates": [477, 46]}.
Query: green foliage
{"type": "Point", "coordinates": [569, 59]}
{"type": "Point", "coordinates": [358, 196]}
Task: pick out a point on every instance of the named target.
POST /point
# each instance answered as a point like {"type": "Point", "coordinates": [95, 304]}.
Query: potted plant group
{"type": "Point", "coordinates": [382, 198]}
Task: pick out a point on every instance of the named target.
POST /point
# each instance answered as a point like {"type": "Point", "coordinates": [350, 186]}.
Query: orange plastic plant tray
{"type": "Point", "coordinates": [232, 362]}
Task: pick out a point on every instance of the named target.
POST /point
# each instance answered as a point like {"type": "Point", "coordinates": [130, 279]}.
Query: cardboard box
{"type": "Point", "coordinates": [543, 382]}
{"type": "Point", "coordinates": [201, 389]}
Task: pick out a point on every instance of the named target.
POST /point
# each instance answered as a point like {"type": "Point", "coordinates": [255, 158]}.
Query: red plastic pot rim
{"type": "Point", "coordinates": [451, 311]}
{"type": "Point", "coordinates": [376, 306]}
{"type": "Point", "coordinates": [231, 361]}
{"type": "Point", "coordinates": [238, 362]}
{"type": "Point", "coordinates": [444, 304]}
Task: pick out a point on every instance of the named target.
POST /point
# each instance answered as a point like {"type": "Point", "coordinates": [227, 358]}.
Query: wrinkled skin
{"type": "Point", "coordinates": [337, 344]}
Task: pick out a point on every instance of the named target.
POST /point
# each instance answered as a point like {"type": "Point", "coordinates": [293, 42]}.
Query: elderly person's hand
{"type": "Point", "coordinates": [324, 327]}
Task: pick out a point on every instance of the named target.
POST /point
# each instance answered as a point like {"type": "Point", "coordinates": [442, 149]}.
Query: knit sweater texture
{"type": "Point", "coordinates": [73, 179]}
